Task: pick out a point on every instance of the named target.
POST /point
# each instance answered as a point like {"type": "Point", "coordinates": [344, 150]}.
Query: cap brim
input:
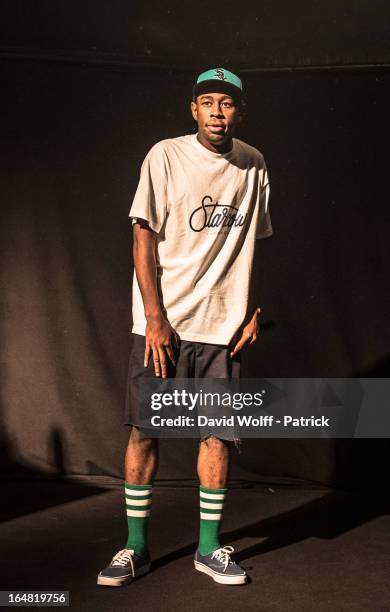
{"type": "Point", "coordinates": [216, 86]}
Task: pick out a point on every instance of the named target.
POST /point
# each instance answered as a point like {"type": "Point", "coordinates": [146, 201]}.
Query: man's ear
{"type": "Point", "coordinates": [194, 110]}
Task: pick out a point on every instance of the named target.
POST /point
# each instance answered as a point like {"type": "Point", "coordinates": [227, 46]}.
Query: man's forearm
{"type": "Point", "coordinates": [145, 264]}
{"type": "Point", "coordinates": [251, 306]}
{"type": "Point", "coordinates": [252, 294]}
{"type": "Point", "coordinates": [160, 336]}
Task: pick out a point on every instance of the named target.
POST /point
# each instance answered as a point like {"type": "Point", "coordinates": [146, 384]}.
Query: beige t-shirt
{"type": "Point", "coordinates": [207, 209]}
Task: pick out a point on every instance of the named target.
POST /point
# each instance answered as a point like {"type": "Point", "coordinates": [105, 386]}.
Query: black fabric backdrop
{"type": "Point", "coordinates": [249, 34]}
{"type": "Point", "coordinates": [73, 141]}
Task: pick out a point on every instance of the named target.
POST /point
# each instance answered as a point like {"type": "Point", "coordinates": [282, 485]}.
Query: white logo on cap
{"type": "Point", "coordinates": [219, 73]}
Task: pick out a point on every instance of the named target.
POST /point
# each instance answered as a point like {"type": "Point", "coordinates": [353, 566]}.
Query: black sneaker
{"type": "Point", "coordinates": [124, 567]}
{"type": "Point", "coordinates": [220, 567]}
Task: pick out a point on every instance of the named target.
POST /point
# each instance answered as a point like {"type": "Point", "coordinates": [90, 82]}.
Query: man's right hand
{"type": "Point", "coordinates": [160, 341]}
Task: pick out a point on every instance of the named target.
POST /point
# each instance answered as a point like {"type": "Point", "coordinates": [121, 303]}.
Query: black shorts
{"type": "Point", "coordinates": [193, 360]}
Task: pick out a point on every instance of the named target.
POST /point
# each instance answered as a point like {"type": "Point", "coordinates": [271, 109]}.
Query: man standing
{"type": "Point", "coordinates": [201, 202]}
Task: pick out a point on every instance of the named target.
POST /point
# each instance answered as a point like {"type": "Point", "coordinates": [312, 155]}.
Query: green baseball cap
{"type": "Point", "coordinates": [218, 80]}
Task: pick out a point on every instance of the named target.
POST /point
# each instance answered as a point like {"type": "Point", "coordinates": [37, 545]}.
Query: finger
{"type": "Point", "coordinates": [238, 346]}
{"type": "Point", "coordinates": [254, 338]}
{"type": "Point", "coordinates": [256, 316]}
{"type": "Point", "coordinates": [163, 362]}
{"type": "Point", "coordinates": [170, 354]}
{"type": "Point", "coordinates": [156, 362]}
{"type": "Point", "coordinates": [147, 354]}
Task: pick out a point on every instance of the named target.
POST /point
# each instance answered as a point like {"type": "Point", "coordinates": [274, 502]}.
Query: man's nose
{"type": "Point", "coordinates": [216, 110]}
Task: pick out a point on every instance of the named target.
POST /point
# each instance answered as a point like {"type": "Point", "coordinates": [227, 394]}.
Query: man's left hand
{"type": "Point", "coordinates": [249, 333]}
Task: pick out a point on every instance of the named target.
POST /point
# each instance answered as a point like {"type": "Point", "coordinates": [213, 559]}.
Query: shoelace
{"type": "Point", "coordinates": [223, 555]}
{"type": "Point", "coordinates": [124, 557]}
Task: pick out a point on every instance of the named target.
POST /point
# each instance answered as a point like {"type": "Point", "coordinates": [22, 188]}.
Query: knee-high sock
{"type": "Point", "coordinates": [138, 503]}
{"type": "Point", "coordinates": [211, 508]}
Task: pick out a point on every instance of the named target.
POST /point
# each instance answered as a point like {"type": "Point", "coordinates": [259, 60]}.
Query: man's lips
{"type": "Point", "coordinates": [216, 127]}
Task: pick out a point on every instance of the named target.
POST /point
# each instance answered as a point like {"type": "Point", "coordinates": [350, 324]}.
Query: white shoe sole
{"type": "Point", "coordinates": [117, 582]}
{"type": "Point", "coordinates": [219, 577]}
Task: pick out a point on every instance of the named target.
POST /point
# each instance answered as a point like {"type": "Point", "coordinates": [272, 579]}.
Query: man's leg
{"type": "Point", "coordinates": [213, 463]}
{"type": "Point", "coordinates": [211, 558]}
{"type": "Point", "coordinates": [141, 461]}
{"type": "Point", "coordinates": [141, 464]}
{"type": "Point", "coordinates": [213, 361]}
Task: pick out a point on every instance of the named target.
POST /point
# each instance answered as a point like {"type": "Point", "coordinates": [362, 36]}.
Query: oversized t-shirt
{"type": "Point", "coordinates": [207, 209]}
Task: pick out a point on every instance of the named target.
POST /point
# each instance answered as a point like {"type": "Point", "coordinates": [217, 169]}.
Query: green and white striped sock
{"type": "Point", "coordinates": [211, 509]}
{"type": "Point", "coordinates": [138, 504]}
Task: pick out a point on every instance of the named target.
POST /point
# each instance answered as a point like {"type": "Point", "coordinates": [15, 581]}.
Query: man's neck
{"type": "Point", "coordinates": [224, 148]}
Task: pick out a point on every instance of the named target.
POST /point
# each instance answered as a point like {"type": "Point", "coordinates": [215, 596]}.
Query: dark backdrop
{"type": "Point", "coordinates": [251, 34]}
{"type": "Point", "coordinates": [73, 140]}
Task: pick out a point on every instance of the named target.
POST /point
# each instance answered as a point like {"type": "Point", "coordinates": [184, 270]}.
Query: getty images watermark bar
{"type": "Point", "coordinates": [264, 407]}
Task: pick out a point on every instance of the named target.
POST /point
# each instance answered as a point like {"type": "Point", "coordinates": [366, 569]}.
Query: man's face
{"type": "Point", "coordinates": [217, 115]}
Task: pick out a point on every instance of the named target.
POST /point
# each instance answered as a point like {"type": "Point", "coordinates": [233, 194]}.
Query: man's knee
{"type": "Point", "coordinates": [211, 442]}
{"type": "Point", "coordinates": [138, 439]}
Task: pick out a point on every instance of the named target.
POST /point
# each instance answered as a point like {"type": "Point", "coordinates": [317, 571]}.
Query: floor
{"type": "Point", "coordinates": [304, 549]}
